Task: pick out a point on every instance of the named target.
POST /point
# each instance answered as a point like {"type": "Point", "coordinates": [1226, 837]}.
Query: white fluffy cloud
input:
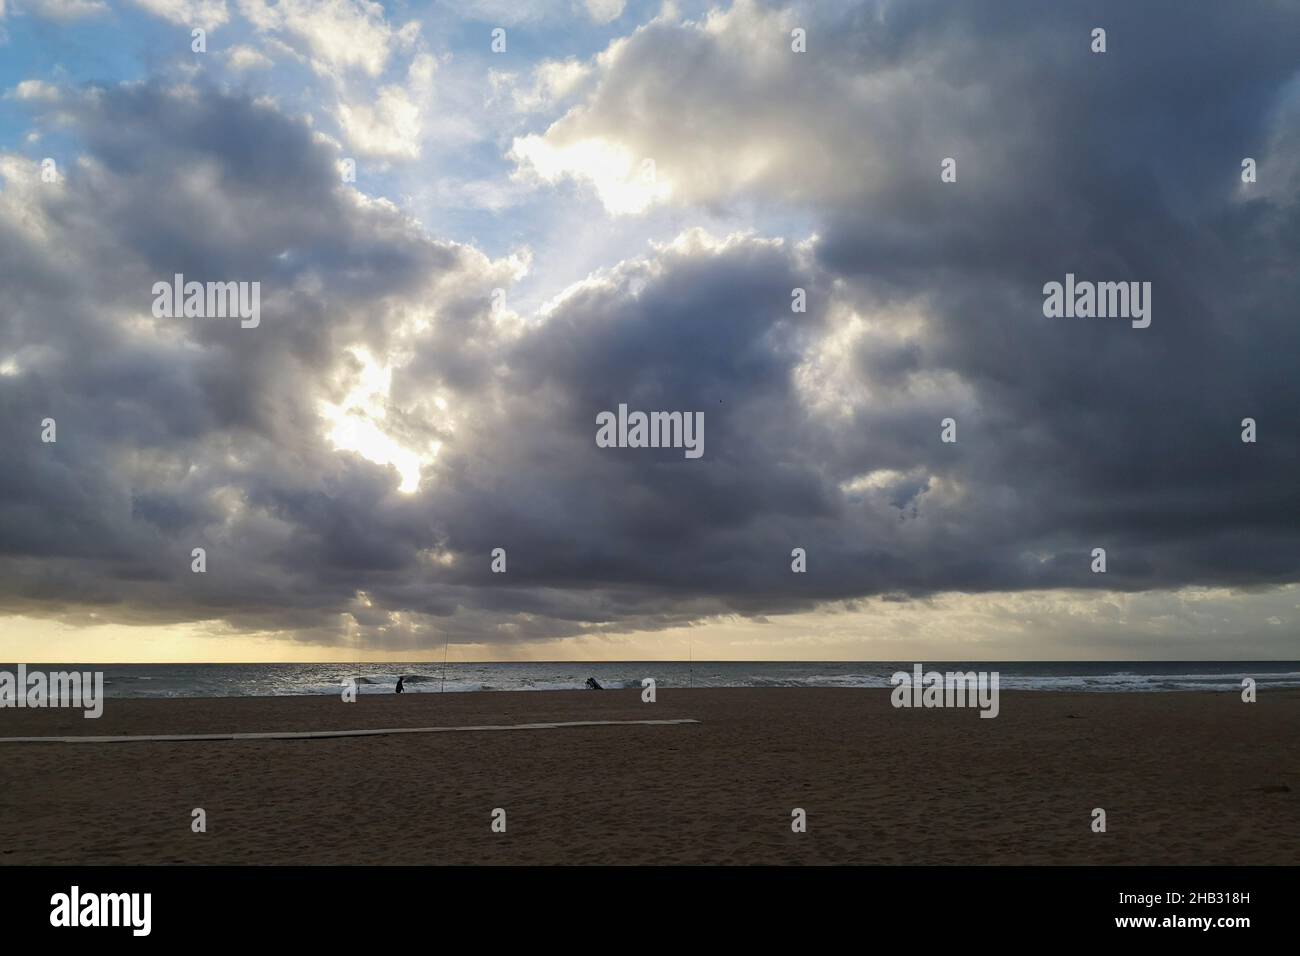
{"type": "Point", "coordinates": [338, 35]}
{"type": "Point", "coordinates": [191, 13]}
{"type": "Point", "coordinates": [247, 58]}
{"type": "Point", "coordinates": [724, 108]}
{"type": "Point", "coordinates": [604, 11]}
{"type": "Point", "coordinates": [389, 122]}
{"type": "Point", "coordinates": [550, 82]}
{"type": "Point", "coordinates": [36, 90]}
{"type": "Point", "coordinates": [356, 51]}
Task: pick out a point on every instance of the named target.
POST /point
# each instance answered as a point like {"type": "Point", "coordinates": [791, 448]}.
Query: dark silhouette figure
{"type": "Point", "coordinates": [594, 684]}
{"type": "Point", "coordinates": [400, 688]}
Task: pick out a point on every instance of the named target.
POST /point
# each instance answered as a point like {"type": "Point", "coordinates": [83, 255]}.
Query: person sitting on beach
{"type": "Point", "coordinates": [400, 688]}
{"type": "Point", "coordinates": [594, 684]}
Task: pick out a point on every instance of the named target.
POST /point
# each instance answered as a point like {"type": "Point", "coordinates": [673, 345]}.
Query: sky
{"type": "Point", "coordinates": [824, 229]}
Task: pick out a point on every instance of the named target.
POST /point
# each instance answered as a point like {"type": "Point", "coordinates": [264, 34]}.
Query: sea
{"type": "Point", "coordinates": [433, 677]}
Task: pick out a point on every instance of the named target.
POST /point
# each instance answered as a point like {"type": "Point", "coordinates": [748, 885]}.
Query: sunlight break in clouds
{"type": "Point", "coordinates": [625, 183]}
{"type": "Point", "coordinates": [356, 424]}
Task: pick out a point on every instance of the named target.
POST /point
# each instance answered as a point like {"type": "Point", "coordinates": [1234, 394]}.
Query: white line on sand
{"type": "Point", "coordinates": [318, 734]}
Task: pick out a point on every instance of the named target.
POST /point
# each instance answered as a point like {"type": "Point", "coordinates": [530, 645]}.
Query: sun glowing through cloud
{"type": "Point", "coordinates": [626, 184]}
{"type": "Point", "coordinates": [356, 424]}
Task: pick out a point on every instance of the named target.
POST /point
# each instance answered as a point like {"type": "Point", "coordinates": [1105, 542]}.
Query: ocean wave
{"type": "Point", "coordinates": [276, 680]}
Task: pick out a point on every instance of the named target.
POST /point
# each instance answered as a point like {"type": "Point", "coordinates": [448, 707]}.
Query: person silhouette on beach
{"type": "Point", "coordinates": [400, 688]}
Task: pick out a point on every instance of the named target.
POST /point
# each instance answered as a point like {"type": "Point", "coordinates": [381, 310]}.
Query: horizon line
{"type": "Point", "coordinates": [973, 660]}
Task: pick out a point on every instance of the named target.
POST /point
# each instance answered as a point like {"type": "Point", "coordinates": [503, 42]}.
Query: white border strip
{"type": "Point", "coordinates": [323, 734]}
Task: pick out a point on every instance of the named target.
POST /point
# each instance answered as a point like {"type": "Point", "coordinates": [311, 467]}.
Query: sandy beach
{"type": "Point", "coordinates": [1185, 778]}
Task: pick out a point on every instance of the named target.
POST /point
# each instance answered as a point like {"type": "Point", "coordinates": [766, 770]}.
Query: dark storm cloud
{"type": "Point", "coordinates": [1125, 166]}
{"type": "Point", "coordinates": [821, 428]}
